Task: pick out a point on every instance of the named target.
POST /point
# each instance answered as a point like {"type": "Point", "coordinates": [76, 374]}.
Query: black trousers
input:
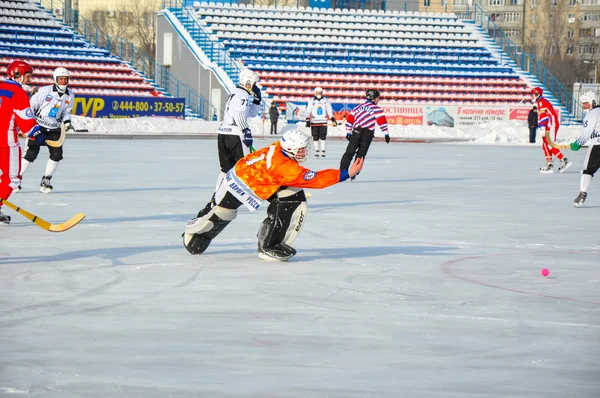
{"type": "Point", "coordinates": [230, 150]}
{"type": "Point", "coordinates": [592, 161]}
{"type": "Point", "coordinates": [318, 132]}
{"type": "Point", "coordinates": [274, 126]}
{"type": "Point", "coordinates": [357, 146]}
{"type": "Point", "coordinates": [532, 131]}
{"type": "Point", "coordinates": [33, 149]}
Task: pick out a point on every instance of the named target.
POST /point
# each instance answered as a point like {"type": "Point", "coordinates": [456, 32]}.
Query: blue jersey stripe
{"type": "Point", "coordinates": [6, 93]}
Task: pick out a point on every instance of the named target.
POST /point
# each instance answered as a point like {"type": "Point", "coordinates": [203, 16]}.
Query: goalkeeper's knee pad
{"type": "Point", "coordinates": [285, 218]}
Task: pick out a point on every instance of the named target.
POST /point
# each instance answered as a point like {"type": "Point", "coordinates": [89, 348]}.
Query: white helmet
{"type": "Point", "coordinates": [292, 143]}
{"type": "Point", "coordinates": [61, 72]}
{"type": "Point", "coordinates": [588, 97]}
{"type": "Point", "coordinates": [318, 90]}
{"type": "Point", "coordinates": [248, 79]}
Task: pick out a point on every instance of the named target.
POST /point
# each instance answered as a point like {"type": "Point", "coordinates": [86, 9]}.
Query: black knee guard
{"type": "Point", "coordinates": [56, 153]}
{"type": "Point", "coordinates": [32, 152]}
{"type": "Point", "coordinates": [285, 218]}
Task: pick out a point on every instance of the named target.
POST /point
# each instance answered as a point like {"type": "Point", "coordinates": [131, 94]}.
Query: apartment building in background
{"type": "Point", "coordinates": [131, 20]}
{"type": "Point", "coordinates": [550, 29]}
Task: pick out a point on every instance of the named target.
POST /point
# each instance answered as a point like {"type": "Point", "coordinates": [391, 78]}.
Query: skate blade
{"type": "Point", "coordinates": [266, 257]}
{"type": "Point", "coordinates": [45, 190]}
{"type": "Point", "coordinates": [578, 204]}
{"type": "Point", "coordinates": [547, 171]}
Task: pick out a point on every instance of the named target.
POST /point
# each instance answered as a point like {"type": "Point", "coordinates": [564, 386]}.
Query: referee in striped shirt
{"type": "Point", "coordinates": [360, 128]}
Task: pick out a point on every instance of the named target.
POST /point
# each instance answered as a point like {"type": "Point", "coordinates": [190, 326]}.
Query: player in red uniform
{"type": "Point", "coordinates": [15, 112]}
{"type": "Point", "coordinates": [272, 174]}
{"type": "Point", "coordinates": [548, 118]}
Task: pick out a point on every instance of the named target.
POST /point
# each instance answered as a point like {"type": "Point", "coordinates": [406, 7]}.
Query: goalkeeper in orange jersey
{"type": "Point", "coordinates": [272, 174]}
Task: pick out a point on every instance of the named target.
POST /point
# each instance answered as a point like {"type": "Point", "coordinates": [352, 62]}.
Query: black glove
{"type": "Point", "coordinates": [247, 137]}
{"type": "Point", "coordinates": [307, 122]}
{"type": "Point", "coordinates": [69, 127]}
{"type": "Point", "coordinates": [387, 138]}
{"type": "Point", "coordinates": [348, 135]}
{"type": "Point", "coordinates": [257, 94]}
{"type": "Point", "coordinates": [334, 122]}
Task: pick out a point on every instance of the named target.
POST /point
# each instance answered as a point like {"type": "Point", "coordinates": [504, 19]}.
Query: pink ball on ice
{"type": "Point", "coordinates": [545, 272]}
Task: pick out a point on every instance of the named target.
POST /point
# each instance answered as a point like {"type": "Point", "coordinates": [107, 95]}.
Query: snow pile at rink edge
{"type": "Point", "coordinates": [493, 133]}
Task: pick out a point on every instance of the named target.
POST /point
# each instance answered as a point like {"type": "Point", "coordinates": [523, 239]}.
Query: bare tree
{"type": "Point", "coordinates": [107, 21]}
{"type": "Point", "coordinates": [135, 23]}
{"type": "Point", "coordinates": [556, 41]}
{"type": "Point", "coordinates": [142, 23]}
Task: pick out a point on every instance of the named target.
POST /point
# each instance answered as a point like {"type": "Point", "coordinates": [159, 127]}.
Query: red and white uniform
{"type": "Point", "coordinates": [548, 118]}
{"type": "Point", "coordinates": [15, 112]}
{"type": "Point", "coordinates": [366, 115]}
{"type": "Point", "coordinates": [547, 115]}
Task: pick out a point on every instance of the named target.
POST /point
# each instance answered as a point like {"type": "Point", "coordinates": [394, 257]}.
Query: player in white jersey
{"type": "Point", "coordinates": [52, 106]}
{"type": "Point", "coordinates": [318, 113]}
{"type": "Point", "coordinates": [590, 133]}
{"type": "Point", "coordinates": [234, 138]}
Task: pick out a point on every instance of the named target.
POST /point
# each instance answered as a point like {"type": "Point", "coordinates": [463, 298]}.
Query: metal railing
{"type": "Point", "coordinates": [355, 4]}
{"type": "Point", "coordinates": [527, 62]}
{"type": "Point", "coordinates": [128, 53]}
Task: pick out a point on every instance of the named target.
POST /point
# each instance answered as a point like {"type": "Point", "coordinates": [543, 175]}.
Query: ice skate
{"type": "Point", "coordinates": [317, 154]}
{"type": "Point", "coordinates": [17, 189]}
{"type": "Point", "coordinates": [322, 154]}
{"type": "Point", "coordinates": [580, 199]}
{"type": "Point", "coordinates": [564, 164]}
{"type": "Point", "coordinates": [45, 186]}
{"type": "Point", "coordinates": [548, 168]}
{"type": "Point", "coordinates": [278, 252]}
{"type": "Point", "coordinates": [4, 219]}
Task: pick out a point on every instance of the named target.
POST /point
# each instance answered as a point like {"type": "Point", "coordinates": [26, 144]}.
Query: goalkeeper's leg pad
{"type": "Point", "coordinates": [285, 218]}
{"type": "Point", "coordinates": [201, 231]}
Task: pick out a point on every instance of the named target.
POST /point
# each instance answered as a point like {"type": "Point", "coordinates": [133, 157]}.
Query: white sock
{"type": "Point", "coordinates": [51, 166]}
{"type": "Point", "coordinates": [585, 182]}
{"type": "Point", "coordinates": [219, 180]}
{"type": "Point", "coordinates": [24, 165]}
{"type": "Point", "coordinates": [322, 145]}
{"type": "Point", "coordinates": [316, 145]}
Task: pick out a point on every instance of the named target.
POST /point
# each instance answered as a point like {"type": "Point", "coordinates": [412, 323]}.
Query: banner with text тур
{"type": "Point", "coordinates": [119, 107]}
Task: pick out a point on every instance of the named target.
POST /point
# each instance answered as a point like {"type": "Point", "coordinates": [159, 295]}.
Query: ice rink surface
{"type": "Point", "coordinates": [419, 279]}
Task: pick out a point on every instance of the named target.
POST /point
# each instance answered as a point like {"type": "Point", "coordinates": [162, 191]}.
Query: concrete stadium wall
{"type": "Point", "coordinates": [187, 68]}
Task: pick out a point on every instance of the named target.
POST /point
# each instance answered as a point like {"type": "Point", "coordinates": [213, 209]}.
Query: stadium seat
{"type": "Point", "coordinates": [341, 49]}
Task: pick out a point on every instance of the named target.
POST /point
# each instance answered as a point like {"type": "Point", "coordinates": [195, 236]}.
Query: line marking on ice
{"type": "Point", "coordinates": [447, 268]}
{"type": "Point", "coordinates": [529, 321]}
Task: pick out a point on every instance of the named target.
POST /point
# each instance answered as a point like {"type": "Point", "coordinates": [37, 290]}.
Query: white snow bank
{"type": "Point", "coordinates": [493, 133]}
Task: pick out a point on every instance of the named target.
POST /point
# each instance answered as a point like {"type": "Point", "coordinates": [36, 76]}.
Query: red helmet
{"type": "Point", "coordinates": [537, 91]}
{"type": "Point", "coordinates": [18, 69]}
